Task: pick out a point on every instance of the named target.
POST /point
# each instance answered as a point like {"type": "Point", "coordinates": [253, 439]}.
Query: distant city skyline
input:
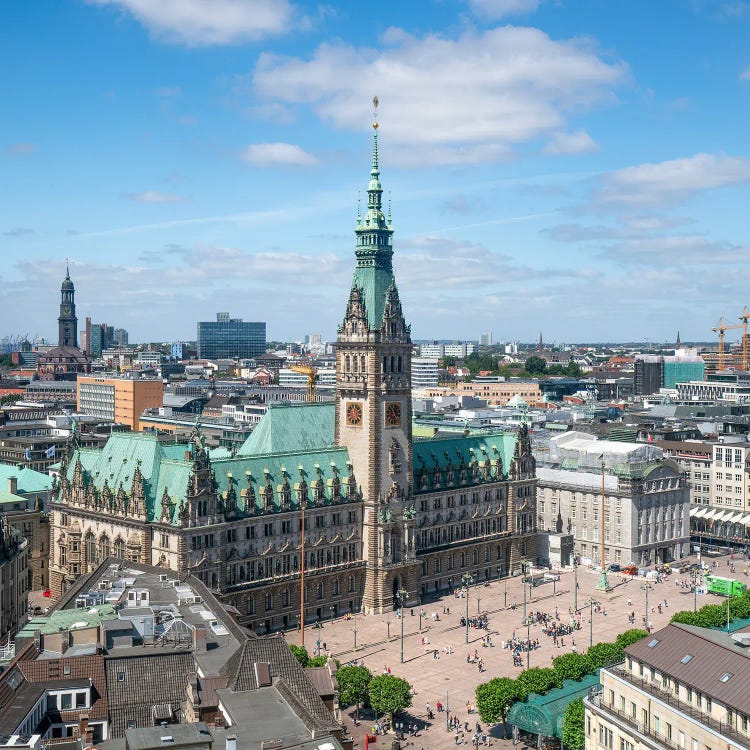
{"type": "Point", "coordinates": [190, 157]}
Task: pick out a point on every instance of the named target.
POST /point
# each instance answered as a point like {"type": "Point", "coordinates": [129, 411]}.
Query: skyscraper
{"type": "Point", "coordinates": [230, 337]}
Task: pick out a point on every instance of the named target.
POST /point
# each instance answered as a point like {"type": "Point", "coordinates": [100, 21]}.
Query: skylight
{"type": "Point", "coordinates": [685, 659]}
{"type": "Point", "coordinates": [725, 677]}
{"type": "Point", "coordinates": [653, 642]}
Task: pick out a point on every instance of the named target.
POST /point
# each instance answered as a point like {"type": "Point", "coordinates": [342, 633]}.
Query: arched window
{"type": "Point", "coordinates": [269, 602]}
{"type": "Point", "coordinates": [363, 364]}
{"type": "Point", "coordinates": [399, 363]}
{"type": "Point", "coordinates": [385, 364]}
{"type": "Point", "coordinates": [104, 547]}
{"type": "Point", "coordinates": [356, 363]}
{"type": "Point", "coordinates": [90, 548]}
{"type": "Point", "coordinates": [119, 548]}
{"type": "Point", "coordinates": [348, 363]}
{"type": "Point", "coordinates": [336, 587]}
{"type": "Point", "coordinates": [393, 363]}
{"type": "Point", "coordinates": [320, 590]}
{"type": "Point", "coordinates": [287, 598]}
{"type": "Point", "coordinates": [352, 584]}
{"type": "Point", "coordinates": [251, 606]}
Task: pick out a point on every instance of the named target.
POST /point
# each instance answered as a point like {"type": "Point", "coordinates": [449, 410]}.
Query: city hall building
{"type": "Point", "coordinates": [383, 513]}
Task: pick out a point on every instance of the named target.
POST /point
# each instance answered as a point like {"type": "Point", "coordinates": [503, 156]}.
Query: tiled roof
{"type": "Point", "coordinates": [240, 671]}
{"type": "Point", "coordinates": [137, 683]}
{"type": "Point", "coordinates": [292, 427]}
{"type": "Point", "coordinates": [72, 668]}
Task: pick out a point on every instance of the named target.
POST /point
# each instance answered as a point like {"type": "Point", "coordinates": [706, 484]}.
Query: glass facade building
{"type": "Point", "coordinates": [230, 337]}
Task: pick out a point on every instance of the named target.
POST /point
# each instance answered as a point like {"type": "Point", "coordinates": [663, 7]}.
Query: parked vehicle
{"type": "Point", "coordinates": [631, 570]}
{"type": "Point", "coordinates": [724, 586]}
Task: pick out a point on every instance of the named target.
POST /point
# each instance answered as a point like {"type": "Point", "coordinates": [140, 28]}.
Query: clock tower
{"type": "Point", "coordinates": [67, 323]}
{"type": "Point", "coordinates": [373, 407]}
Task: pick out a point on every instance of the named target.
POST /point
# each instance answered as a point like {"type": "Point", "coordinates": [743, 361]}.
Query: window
{"type": "Point", "coordinates": [725, 677]}
{"type": "Point", "coordinates": [653, 642]}
{"type": "Point", "coordinates": [121, 676]}
{"type": "Point", "coordinates": [66, 701]}
{"type": "Point", "coordinates": [80, 700]}
{"type": "Point", "coordinates": [685, 659]}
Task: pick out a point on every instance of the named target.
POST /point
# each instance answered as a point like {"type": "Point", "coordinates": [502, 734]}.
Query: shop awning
{"type": "Point", "coordinates": [699, 512]}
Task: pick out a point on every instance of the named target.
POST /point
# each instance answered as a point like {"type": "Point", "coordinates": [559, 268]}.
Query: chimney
{"type": "Point", "coordinates": [188, 456]}
{"type": "Point", "coordinates": [13, 485]}
{"type": "Point", "coordinates": [231, 742]}
{"type": "Point", "coordinates": [199, 638]}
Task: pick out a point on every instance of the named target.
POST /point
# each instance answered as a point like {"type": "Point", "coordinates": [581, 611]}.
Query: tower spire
{"type": "Point", "coordinates": [375, 189]}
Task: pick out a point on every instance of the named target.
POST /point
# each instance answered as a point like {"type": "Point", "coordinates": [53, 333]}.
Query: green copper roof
{"type": "Point", "coordinates": [28, 479]}
{"type": "Point", "coordinates": [8, 497]}
{"type": "Point", "coordinates": [440, 450]}
{"type": "Point", "coordinates": [292, 427]}
{"type": "Point", "coordinates": [374, 251]}
{"type": "Point", "coordinates": [65, 619]}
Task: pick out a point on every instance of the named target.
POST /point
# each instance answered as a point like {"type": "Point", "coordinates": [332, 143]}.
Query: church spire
{"type": "Point", "coordinates": [375, 189]}
{"type": "Point", "coordinates": [678, 345]}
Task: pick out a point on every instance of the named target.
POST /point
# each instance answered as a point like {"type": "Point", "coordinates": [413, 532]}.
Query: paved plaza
{"type": "Point", "coordinates": [450, 678]}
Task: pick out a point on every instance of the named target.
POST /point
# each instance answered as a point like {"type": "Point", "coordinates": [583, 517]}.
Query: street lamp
{"type": "Point", "coordinates": [467, 580]}
{"type": "Point", "coordinates": [401, 594]}
{"type": "Point", "coordinates": [505, 591]}
{"type": "Point", "coordinates": [355, 633]}
{"type": "Point", "coordinates": [388, 629]}
{"type": "Point", "coordinates": [575, 584]}
{"type": "Point", "coordinates": [523, 584]}
{"type": "Point", "coordinates": [646, 587]}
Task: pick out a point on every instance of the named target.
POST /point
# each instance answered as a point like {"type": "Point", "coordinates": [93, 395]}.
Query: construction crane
{"type": "Point", "coordinates": [744, 318]}
{"type": "Point", "coordinates": [721, 329]}
{"type": "Point", "coordinates": [312, 377]}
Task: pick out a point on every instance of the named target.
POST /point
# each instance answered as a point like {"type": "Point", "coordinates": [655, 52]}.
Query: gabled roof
{"type": "Point", "coordinates": [292, 427]}
{"type": "Point", "coordinates": [241, 674]}
{"type": "Point", "coordinates": [135, 684]}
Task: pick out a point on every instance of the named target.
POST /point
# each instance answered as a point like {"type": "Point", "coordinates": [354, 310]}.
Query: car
{"type": "Point", "coordinates": [613, 568]}
{"type": "Point", "coordinates": [630, 570]}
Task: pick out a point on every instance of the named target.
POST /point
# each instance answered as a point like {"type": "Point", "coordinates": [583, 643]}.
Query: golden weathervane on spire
{"type": "Point", "coordinates": [375, 103]}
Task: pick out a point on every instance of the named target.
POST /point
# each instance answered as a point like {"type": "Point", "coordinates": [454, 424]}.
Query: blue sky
{"type": "Point", "coordinates": [572, 166]}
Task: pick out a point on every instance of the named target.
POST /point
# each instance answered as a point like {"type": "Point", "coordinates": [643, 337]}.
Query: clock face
{"type": "Point", "coordinates": [393, 414]}
{"type": "Point", "coordinates": [354, 414]}
{"type": "Point", "coordinates": [65, 310]}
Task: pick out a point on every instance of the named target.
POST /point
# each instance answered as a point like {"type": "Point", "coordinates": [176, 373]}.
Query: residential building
{"type": "Point", "coordinates": [383, 513]}
{"type": "Point", "coordinates": [680, 688]}
{"type": "Point", "coordinates": [14, 579]}
{"type": "Point", "coordinates": [26, 512]}
{"type": "Point", "coordinates": [696, 460]}
{"type": "Point", "coordinates": [646, 499]}
{"type": "Point", "coordinates": [230, 337]}
{"type": "Point", "coordinates": [436, 350]}
{"type": "Point", "coordinates": [120, 400]}
{"type": "Point", "coordinates": [424, 372]}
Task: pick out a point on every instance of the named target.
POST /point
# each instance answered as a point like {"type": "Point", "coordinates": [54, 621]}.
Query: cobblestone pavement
{"type": "Point", "coordinates": [450, 678]}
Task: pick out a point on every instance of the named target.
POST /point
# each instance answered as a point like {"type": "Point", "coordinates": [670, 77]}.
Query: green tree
{"type": "Point", "coordinates": [300, 654]}
{"type": "Point", "coordinates": [535, 365]}
{"type": "Point", "coordinates": [538, 680]}
{"type": "Point", "coordinates": [710, 616]}
{"type": "Point", "coordinates": [572, 666]}
{"type": "Point", "coordinates": [630, 636]}
{"type": "Point", "coordinates": [573, 369]}
{"type": "Point", "coordinates": [602, 654]}
{"type": "Point", "coordinates": [574, 725]}
{"type": "Point", "coordinates": [494, 698]}
{"type": "Point", "coordinates": [389, 694]}
{"type": "Point", "coordinates": [353, 683]}
{"type": "Point", "coordinates": [10, 398]}
{"type": "Point", "coordinates": [317, 661]}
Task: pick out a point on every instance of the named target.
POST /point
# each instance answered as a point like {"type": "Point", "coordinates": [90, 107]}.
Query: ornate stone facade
{"type": "Point", "coordinates": [384, 515]}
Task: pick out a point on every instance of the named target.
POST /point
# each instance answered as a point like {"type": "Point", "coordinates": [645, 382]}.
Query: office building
{"type": "Point", "coordinates": [424, 372]}
{"type": "Point", "coordinates": [685, 366]}
{"type": "Point", "coordinates": [681, 688]}
{"type": "Point", "coordinates": [383, 513]}
{"type": "Point", "coordinates": [230, 338]}
{"type": "Point", "coordinates": [485, 339]}
{"type": "Point", "coordinates": [646, 500]}
{"type": "Point", "coordinates": [120, 400]}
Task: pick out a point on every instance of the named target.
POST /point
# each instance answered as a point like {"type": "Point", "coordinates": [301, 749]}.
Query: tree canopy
{"type": "Point", "coordinates": [354, 682]}
{"type": "Point", "coordinates": [300, 654]}
{"type": "Point", "coordinates": [538, 680]}
{"type": "Point", "coordinates": [574, 725]}
{"type": "Point", "coordinates": [572, 666]}
{"type": "Point", "coordinates": [494, 698]}
{"type": "Point", "coordinates": [389, 694]}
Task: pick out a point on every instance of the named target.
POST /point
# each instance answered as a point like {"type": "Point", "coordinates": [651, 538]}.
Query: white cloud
{"type": "Point", "coordinates": [273, 154]}
{"type": "Point", "coordinates": [579, 142]}
{"type": "Point", "coordinates": [669, 182]}
{"type": "Point", "coordinates": [745, 75]}
{"type": "Point", "coordinates": [515, 83]}
{"type": "Point", "coordinates": [153, 196]}
{"type": "Point", "coordinates": [493, 10]}
{"type": "Point", "coordinates": [209, 22]}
